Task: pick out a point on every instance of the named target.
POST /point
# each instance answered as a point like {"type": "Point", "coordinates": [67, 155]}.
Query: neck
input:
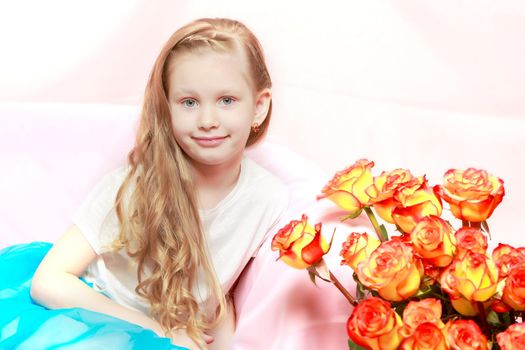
{"type": "Point", "coordinates": [214, 182]}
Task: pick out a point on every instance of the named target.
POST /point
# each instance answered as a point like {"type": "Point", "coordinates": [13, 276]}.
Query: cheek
{"type": "Point", "coordinates": [180, 125]}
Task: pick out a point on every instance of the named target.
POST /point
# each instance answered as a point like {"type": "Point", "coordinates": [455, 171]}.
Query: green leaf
{"type": "Point", "coordinates": [359, 291]}
{"type": "Point", "coordinates": [353, 215]}
{"type": "Point", "coordinates": [485, 226]}
{"type": "Point", "coordinates": [400, 308]}
{"type": "Point", "coordinates": [493, 318]}
{"type": "Point", "coordinates": [354, 346]}
{"type": "Point", "coordinates": [312, 277]}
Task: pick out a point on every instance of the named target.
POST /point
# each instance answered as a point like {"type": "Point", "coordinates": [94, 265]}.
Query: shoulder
{"type": "Point", "coordinates": [263, 184]}
{"type": "Point", "coordinates": [108, 184]}
{"type": "Point", "coordinates": [265, 193]}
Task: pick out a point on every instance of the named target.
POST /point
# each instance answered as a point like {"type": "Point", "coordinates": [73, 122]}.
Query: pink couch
{"type": "Point", "coordinates": [52, 155]}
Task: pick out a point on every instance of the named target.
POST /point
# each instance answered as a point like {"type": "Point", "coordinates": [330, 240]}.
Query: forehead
{"type": "Point", "coordinates": [208, 70]}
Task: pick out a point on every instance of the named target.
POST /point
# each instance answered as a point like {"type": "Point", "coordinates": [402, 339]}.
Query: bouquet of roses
{"type": "Point", "coordinates": [429, 286]}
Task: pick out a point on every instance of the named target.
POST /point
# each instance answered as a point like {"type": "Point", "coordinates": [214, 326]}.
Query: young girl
{"type": "Point", "coordinates": [159, 242]}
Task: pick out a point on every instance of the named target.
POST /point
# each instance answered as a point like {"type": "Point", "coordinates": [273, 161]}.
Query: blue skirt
{"type": "Point", "coordinates": [26, 325]}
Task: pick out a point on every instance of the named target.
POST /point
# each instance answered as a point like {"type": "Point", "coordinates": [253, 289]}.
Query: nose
{"type": "Point", "coordinates": [208, 119]}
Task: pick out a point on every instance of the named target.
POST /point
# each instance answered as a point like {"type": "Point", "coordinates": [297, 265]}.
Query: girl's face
{"type": "Point", "coordinates": [213, 106]}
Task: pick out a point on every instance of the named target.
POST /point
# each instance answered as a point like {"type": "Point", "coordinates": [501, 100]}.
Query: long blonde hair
{"type": "Point", "coordinates": [159, 220]}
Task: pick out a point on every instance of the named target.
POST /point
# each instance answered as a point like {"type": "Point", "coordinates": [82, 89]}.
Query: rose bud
{"type": "Point", "coordinates": [500, 307]}
{"type": "Point", "coordinates": [426, 336]}
{"type": "Point", "coordinates": [506, 257]}
{"type": "Point", "coordinates": [472, 194]}
{"type": "Point", "coordinates": [416, 200]}
{"type": "Point", "coordinates": [419, 312]}
{"type": "Point", "coordinates": [465, 335]}
{"type": "Point", "coordinates": [433, 239]}
{"type": "Point", "coordinates": [383, 189]}
{"type": "Point", "coordinates": [475, 276]}
{"type": "Point", "coordinates": [299, 244]}
{"type": "Point", "coordinates": [513, 338]}
{"type": "Point", "coordinates": [392, 270]}
{"type": "Point", "coordinates": [374, 325]}
{"type": "Point", "coordinates": [514, 290]}
{"type": "Point", "coordinates": [358, 246]}
{"type": "Point", "coordinates": [347, 187]}
{"type": "Point", "coordinates": [470, 239]}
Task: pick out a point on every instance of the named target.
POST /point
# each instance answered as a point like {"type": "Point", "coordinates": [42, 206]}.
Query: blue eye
{"type": "Point", "coordinates": [190, 103]}
{"type": "Point", "coordinates": [227, 100]}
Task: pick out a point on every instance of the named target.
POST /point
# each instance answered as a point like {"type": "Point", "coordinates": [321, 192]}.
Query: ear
{"type": "Point", "coordinates": [262, 105]}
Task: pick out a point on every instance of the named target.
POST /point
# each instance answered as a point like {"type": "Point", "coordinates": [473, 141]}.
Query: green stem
{"type": "Point", "coordinates": [483, 318]}
{"type": "Point", "coordinates": [342, 289]}
{"type": "Point", "coordinates": [380, 234]}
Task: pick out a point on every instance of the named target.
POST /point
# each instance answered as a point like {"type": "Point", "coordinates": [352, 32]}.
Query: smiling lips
{"type": "Point", "coordinates": [209, 141]}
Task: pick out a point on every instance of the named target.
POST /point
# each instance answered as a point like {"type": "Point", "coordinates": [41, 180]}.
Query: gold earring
{"type": "Point", "coordinates": [255, 128]}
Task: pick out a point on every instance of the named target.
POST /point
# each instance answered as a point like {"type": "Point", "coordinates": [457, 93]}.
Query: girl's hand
{"type": "Point", "coordinates": [181, 338]}
{"type": "Point", "coordinates": [207, 338]}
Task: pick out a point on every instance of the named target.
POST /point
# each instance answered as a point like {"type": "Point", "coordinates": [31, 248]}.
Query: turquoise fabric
{"type": "Point", "coordinates": [25, 325]}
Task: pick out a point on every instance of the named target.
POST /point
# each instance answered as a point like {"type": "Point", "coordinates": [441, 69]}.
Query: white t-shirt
{"type": "Point", "coordinates": [234, 229]}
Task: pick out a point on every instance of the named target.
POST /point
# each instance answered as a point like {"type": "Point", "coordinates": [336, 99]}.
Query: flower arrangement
{"type": "Point", "coordinates": [429, 286]}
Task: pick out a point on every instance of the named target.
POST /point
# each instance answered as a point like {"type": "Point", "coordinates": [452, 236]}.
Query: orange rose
{"type": "Point", "coordinates": [505, 257]}
{"type": "Point", "coordinates": [347, 189]}
{"type": "Point", "coordinates": [426, 336]}
{"type": "Point", "coordinates": [470, 239]}
{"type": "Point", "coordinates": [392, 270]}
{"type": "Point", "coordinates": [299, 244]}
{"type": "Point", "coordinates": [513, 338]}
{"type": "Point", "coordinates": [472, 194]}
{"type": "Point", "coordinates": [383, 189]}
{"type": "Point", "coordinates": [419, 312]}
{"type": "Point", "coordinates": [475, 276]}
{"type": "Point", "coordinates": [460, 304]}
{"type": "Point", "coordinates": [514, 290]}
{"type": "Point", "coordinates": [416, 200]}
{"type": "Point", "coordinates": [358, 246]}
{"type": "Point", "coordinates": [433, 239]}
{"type": "Point", "coordinates": [374, 325]}
{"type": "Point", "coordinates": [465, 335]}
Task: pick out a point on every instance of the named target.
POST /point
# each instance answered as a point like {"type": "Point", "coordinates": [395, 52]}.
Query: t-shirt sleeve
{"type": "Point", "coordinates": [96, 217]}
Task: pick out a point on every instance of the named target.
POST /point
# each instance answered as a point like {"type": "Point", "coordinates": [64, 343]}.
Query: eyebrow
{"type": "Point", "coordinates": [190, 92]}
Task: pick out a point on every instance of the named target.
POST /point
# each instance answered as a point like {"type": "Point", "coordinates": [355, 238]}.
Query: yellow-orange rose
{"type": "Point", "coordinates": [472, 194]}
{"type": "Point", "coordinates": [433, 239]}
{"type": "Point", "coordinates": [475, 276]}
{"type": "Point", "coordinates": [465, 335]}
{"type": "Point", "coordinates": [470, 239]}
{"type": "Point", "coordinates": [506, 257]}
{"type": "Point", "coordinates": [392, 270]}
{"type": "Point", "coordinates": [513, 338]}
{"type": "Point", "coordinates": [374, 325]}
{"type": "Point", "coordinates": [514, 290]}
{"type": "Point", "coordinates": [419, 312]}
{"type": "Point", "coordinates": [357, 247]}
{"type": "Point", "coordinates": [416, 200]}
{"type": "Point", "coordinates": [347, 189]}
{"type": "Point", "coordinates": [383, 189]}
{"type": "Point", "coordinates": [299, 244]}
{"type": "Point", "coordinates": [460, 304]}
{"type": "Point", "coordinates": [426, 336]}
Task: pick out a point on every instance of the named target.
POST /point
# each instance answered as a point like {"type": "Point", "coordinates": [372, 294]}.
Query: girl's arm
{"type": "Point", "coordinates": [223, 333]}
{"type": "Point", "coordinates": [56, 284]}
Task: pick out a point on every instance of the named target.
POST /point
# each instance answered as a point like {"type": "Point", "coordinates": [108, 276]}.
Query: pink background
{"type": "Point", "coordinates": [424, 85]}
{"type": "Point", "coordinates": [418, 84]}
